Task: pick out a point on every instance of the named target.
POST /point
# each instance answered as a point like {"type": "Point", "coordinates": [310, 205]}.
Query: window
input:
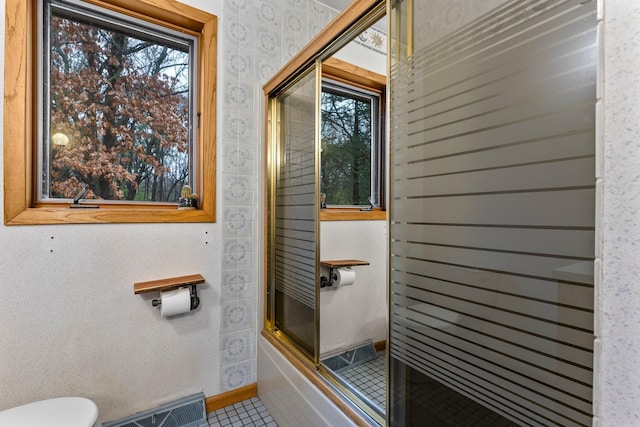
{"type": "Point", "coordinates": [350, 146]}
{"type": "Point", "coordinates": [352, 172]}
{"type": "Point", "coordinates": [118, 104]}
{"type": "Point", "coordinates": [117, 115]}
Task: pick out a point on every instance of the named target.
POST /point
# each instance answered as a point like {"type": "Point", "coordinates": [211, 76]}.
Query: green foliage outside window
{"type": "Point", "coordinates": [346, 132]}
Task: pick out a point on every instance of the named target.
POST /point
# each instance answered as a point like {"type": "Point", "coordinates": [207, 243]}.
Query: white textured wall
{"type": "Point", "coordinates": [352, 314]}
{"type": "Point", "coordinates": [71, 324]}
{"type": "Point", "coordinates": [618, 325]}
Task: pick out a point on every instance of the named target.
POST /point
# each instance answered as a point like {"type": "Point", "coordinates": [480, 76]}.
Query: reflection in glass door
{"type": "Point", "coordinates": [293, 199]}
{"type": "Point", "coordinates": [492, 200]}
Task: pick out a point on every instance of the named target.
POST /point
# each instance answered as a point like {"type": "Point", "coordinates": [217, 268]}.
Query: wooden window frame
{"type": "Point", "coordinates": [20, 62]}
{"type": "Point", "coordinates": [345, 72]}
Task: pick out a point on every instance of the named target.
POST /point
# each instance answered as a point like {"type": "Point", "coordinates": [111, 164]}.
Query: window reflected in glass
{"type": "Point", "coordinates": [349, 131]}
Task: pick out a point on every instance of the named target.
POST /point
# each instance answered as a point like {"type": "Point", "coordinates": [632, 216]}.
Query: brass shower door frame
{"type": "Point", "coordinates": [345, 27]}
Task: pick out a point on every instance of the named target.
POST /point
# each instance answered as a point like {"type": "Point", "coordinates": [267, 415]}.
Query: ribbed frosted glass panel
{"type": "Point", "coordinates": [294, 258]}
{"type": "Point", "coordinates": [492, 213]}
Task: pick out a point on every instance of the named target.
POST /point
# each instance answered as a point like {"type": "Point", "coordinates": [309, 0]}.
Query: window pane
{"type": "Point", "coordinates": [117, 115]}
{"type": "Point", "coordinates": [346, 147]}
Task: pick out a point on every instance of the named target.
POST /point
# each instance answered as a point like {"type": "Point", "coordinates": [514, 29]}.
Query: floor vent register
{"type": "Point", "coordinates": [186, 412]}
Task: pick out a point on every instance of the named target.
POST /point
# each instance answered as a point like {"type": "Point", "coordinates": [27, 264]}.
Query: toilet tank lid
{"type": "Point", "coordinates": [58, 412]}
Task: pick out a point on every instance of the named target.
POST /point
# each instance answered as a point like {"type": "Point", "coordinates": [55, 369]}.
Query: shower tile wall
{"type": "Point", "coordinates": [257, 37]}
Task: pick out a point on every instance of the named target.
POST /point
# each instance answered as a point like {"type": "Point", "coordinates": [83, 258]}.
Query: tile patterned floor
{"type": "Point", "coordinates": [248, 413]}
{"type": "Point", "coordinates": [369, 378]}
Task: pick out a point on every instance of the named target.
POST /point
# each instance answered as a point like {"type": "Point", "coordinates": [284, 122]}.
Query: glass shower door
{"type": "Point", "coordinates": [293, 215]}
{"type": "Point", "coordinates": [492, 201]}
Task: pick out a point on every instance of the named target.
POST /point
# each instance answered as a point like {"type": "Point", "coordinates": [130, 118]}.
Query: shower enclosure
{"type": "Point", "coordinates": [492, 213]}
{"type": "Point", "coordinates": [491, 207]}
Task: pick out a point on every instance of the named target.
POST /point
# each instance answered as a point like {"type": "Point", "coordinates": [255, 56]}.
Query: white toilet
{"type": "Point", "coordinates": [58, 412]}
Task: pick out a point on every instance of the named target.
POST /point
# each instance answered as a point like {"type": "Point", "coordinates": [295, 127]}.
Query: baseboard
{"type": "Point", "coordinates": [380, 345]}
{"type": "Point", "coordinates": [214, 403]}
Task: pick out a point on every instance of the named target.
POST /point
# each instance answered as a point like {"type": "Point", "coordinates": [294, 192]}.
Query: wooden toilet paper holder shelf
{"type": "Point", "coordinates": [343, 263]}
{"type": "Point", "coordinates": [163, 285]}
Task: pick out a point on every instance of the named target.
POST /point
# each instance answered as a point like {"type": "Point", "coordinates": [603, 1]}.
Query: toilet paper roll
{"type": "Point", "coordinates": [344, 276]}
{"type": "Point", "coordinates": [175, 302]}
